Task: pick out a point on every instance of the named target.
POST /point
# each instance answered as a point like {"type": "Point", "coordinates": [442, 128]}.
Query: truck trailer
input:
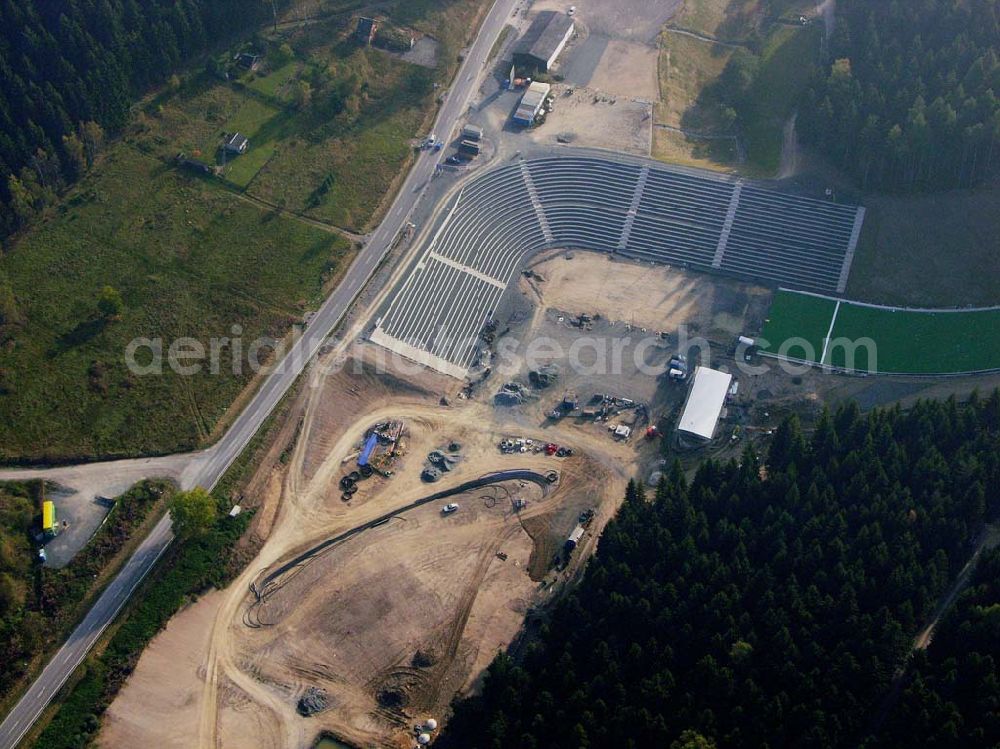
{"type": "Point", "coordinates": [470, 147]}
{"type": "Point", "coordinates": [472, 132]}
{"type": "Point", "coordinates": [574, 538]}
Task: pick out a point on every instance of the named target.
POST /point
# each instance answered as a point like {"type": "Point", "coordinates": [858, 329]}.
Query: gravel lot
{"type": "Point", "coordinates": [633, 20]}
{"type": "Point", "coordinates": [586, 117]}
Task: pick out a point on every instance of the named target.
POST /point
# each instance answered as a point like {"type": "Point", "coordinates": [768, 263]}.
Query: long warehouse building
{"type": "Point", "coordinates": [543, 41]}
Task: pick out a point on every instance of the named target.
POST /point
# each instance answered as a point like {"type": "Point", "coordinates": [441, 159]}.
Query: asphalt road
{"type": "Point", "coordinates": [207, 467]}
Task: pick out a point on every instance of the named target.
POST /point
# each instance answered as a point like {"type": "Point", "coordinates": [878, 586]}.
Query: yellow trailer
{"type": "Point", "coordinates": [49, 524]}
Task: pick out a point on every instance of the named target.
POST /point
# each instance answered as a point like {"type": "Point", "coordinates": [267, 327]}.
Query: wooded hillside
{"type": "Point", "coordinates": [763, 605]}
{"type": "Point", "coordinates": [69, 71]}
{"type": "Point", "coordinates": [910, 100]}
{"type": "Point", "coordinates": [951, 696]}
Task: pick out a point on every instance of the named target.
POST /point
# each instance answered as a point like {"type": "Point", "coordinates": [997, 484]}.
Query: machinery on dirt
{"type": "Point", "coordinates": [379, 449]}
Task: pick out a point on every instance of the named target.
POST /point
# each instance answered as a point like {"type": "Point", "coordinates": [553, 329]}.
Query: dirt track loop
{"type": "Point", "coordinates": [270, 581]}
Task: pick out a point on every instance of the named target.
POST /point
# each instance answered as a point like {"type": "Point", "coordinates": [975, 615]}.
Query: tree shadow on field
{"type": "Point", "coordinates": [81, 334]}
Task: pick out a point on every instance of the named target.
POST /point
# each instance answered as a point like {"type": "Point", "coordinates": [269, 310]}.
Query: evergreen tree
{"type": "Point", "coordinates": [909, 99]}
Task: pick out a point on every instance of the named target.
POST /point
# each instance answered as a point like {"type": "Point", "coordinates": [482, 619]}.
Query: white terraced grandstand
{"type": "Point", "coordinates": [639, 210]}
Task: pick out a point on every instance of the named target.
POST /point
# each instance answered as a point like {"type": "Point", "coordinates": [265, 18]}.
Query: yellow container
{"type": "Point", "coordinates": [48, 516]}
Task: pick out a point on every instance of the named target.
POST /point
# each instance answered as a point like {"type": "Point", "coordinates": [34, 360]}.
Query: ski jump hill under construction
{"type": "Point", "coordinates": [636, 209]}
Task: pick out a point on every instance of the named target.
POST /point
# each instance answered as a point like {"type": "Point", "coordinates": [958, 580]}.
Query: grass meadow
{"type": "Point", "coordinates": [188, 254]}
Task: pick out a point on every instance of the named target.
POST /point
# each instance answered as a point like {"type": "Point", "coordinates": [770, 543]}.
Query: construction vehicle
{"type": "Point", "coordinates": [568, 404]}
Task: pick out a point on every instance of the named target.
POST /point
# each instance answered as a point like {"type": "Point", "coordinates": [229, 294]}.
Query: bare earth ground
{"type": "Point", "coordinates": [634, 20]}
{"type": "Point", "coordinates": [656, 297]}
{"type": "Point", "coordinates": [605, 80]}
{"type": "Point", "coordinates": [588, 117]}
{"type": "Point", "coordinates": [170, 669]}
{"type": "Point", "coordinates": [627, 69]}
{"type": "Point", "coordinates": [352, 621]}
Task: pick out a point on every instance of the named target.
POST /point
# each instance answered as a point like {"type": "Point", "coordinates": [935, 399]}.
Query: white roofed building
{"type": "Point", "coordinates": [531, 103]}
{"type": "Point", "coordinates": [704, 403]}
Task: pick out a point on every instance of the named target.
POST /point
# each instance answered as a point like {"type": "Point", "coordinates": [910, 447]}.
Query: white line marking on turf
{"type": "Point", "coordinates": [826, 341]}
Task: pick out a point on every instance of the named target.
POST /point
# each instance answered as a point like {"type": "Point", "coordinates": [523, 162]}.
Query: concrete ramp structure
{"type": "Point", "coordinates": [642, 210]}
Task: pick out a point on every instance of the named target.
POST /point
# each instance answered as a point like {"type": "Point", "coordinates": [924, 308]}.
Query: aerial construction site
{"type": "Point", "coordinates": [556, 326]}
{"type": "Point", "coordinates": [472, 274]}
{"type": "Point", "coordinates": [408, 526]}
{"type": "Point", "coordinates": [367, 610]}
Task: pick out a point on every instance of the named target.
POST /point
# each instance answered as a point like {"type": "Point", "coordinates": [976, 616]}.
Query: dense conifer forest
{"type": "Point", "coordinates": [769, 602]}
{"type": "Point", "coordinates": [951, 697]}
{"type": "Point", "coordinates": [70, 70]}
{"type": "Point", "coordinates": [910, 99]}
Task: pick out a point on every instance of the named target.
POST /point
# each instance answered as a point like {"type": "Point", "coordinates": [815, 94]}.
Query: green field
{"type": "Point", "coordinates": [902, 341]}
{"type": "Point", "coordinates": [189, 259]}
{"type": "Point", "coordinates": [354, 132]}
{"type": "Point", "coordinates": [187, 253]}
{"type": "Point", "coordinates": [275, 83]}
{"type": "Point", "coordinates": [334, 155]}
{"type": "Point", "coordinates": [798, 316]}
{"type": "Point", "coordinates": [357, 152]}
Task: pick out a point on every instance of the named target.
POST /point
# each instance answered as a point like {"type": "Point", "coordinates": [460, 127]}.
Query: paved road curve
{"type": "Point", "coordinates": [207, 467]}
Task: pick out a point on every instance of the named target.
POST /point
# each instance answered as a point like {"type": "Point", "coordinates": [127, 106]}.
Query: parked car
{"type": "Point", "coordinates": [449, 508]}
{"type": "Point", "coordinates": [453, 159]}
